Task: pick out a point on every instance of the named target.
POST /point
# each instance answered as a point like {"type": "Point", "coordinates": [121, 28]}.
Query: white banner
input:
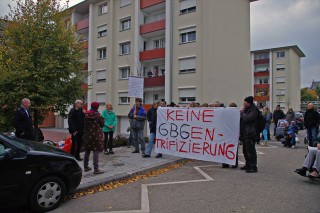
{"type": "Point", "coordinates": [135, 87]}
{"type": "Point", "coordinates": [209, 134]}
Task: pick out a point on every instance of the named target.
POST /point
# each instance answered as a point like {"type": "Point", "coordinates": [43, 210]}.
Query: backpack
{"type": "Point", "coordinates": [261, 122]}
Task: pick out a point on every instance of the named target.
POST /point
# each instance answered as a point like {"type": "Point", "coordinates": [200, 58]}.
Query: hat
{"type": "Point", "coordinates": [95, 105]}
{"type": "Point", "coordinates": [249, 99]}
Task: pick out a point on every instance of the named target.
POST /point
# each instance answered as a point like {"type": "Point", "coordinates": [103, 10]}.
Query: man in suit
{"type": "Point", "coordinates": [23, 120]}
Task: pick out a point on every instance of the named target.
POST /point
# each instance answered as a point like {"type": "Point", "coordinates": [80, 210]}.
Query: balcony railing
{"type": "Point", "coordinates": [264, 73]}
{"type": "Point", "coordinates": [83, 24]}
{"type": "Point", "coordinates": [262, 61]}
{"type": "Point", "coordinates": [261, 98]}
{"type": "Point", "coordinates": [152, 54]}
{"type": "Point", "coordinates": [149, 3]}
{"type": "Point", "coordinates": [260, 86]}
{"type": "Point", "coordinates": [154, 81]}
{"type": "Point", "coordinates": [153, 26]}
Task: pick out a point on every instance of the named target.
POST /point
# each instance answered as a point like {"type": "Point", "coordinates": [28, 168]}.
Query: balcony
{"type": "Point", "coordinates": [264, 73]}
{"type": "Point", "coordinates": [154, 81]}
{"type": "Point", "coordinates": [152, 54]}
{"type": "Point", "coordinates": [262, 98]}
{"type": "Point", "coordinates": [153, 27]}
{"type": "Point", "coordinates": [149, 3]}
{"type": "Point", "coordinates": [83, 24]}
{"type": "Point", "coordinates": [261, 61]}
{"type": "Point", "coordinates": [261, 86]}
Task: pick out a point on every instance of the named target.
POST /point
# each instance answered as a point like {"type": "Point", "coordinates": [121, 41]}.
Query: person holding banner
{"type": "Point", "coordinates": [248, 134]}
{"type": "Point", "coordinates": [152, 119]}
{"type": "Point", "coordinates": [138, 116]}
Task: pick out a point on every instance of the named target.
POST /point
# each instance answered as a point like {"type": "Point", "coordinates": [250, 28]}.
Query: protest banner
{"type": "Point", "coordinates": [209, 134]}
{"type": "Point", "coordinates": [135, 87]}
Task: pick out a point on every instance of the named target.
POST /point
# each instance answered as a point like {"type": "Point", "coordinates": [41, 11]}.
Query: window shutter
{"type": "Point", "coordinates": [188, 64]}
{"type": "Point", "coordinates": [185, 4]}
{"type": "Point", "coordinates": [188, 92]}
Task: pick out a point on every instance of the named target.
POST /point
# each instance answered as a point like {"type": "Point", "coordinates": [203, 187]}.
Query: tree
{"type": "Point", "coordinates": [39, 60]}
{"type": "Point", "coordinates": [308, 95]}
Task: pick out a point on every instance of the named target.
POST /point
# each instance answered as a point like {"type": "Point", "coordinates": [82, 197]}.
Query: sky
{"type": "Point", "coordinates": [277, 23]}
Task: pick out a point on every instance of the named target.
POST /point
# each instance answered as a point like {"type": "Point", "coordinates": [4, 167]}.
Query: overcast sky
{"type": "Point", "coordinates": [276, 23]}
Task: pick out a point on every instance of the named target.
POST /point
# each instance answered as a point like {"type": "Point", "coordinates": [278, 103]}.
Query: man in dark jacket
{"type": "Point", "coordinates": [311, 122]}
{"type": "Point", "coordinates": [248, 134]}
{"type": "Point", "coordinates": [138, 115]}
{"type": "Point", "coordinates": [277, 115]}
{"type": "Point", "coordinates": [76, 123]}
{"type": "Point", "coordinates": [152, 119]}
{"type": "Point", "coordinates": [23, 120]}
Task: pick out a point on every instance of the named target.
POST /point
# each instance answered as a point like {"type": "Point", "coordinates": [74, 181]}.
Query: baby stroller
{"type": "Point", "coordinates": [282, 129]}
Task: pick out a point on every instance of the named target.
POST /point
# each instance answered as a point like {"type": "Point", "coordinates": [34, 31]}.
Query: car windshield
{"type": "Point", "coordinates": [17, 142]}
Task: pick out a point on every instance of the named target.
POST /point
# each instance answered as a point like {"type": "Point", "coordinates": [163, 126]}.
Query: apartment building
{"type": "Point", "coordinates": [186, 50]}
{"type": "Point", "coordinates": [276, 74]}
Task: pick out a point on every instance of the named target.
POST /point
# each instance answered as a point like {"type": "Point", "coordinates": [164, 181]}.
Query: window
{"type": "Point", "coordinates": [101, 97]}
{"type": "Point", "coordinates": [124, 72]}
{"type": "Point", "coordinates": [281, 67]}
{"type": "Point", "coordinates": [124, 3]}
{"type": "Point", "coordinates": [187, 65]}
{"type": "Point", "coordinates": [261, 56]}
{"type": "Point", "coordinates": [123, 98]}
{"type": "Point", "coordinates": [102, 31]}
{"type": "Point", "coordinates": [103, 8]}
{"type": "Point", "coordinates": [280, 92]}
{"type": "Point", "coordinates": [102, 53]}
{"type": "Point", "coordinates": [188, 35]}
{"type": "Point", "coordinates": [187, 95]}
{"type": "Point", "coordinates": [280, 80]}
{"type": "Point", "coordinates": [263, 81]}
{"type": "Point", "coordinates": [124, 48]}
{"type": "Point", "coordinates": [281, 54]}
{"type": "Point", "coordinates": [187, 6]}
{"type": "Point", "coordinates": [101, 76]}
{"type": "Point", "coordinates": [125, 24]}
{"type": "Point", "coordinates": [159, 43]}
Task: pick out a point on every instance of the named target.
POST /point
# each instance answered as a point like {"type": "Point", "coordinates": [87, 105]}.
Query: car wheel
{"type": "Point", "coordinates": [47, 194]}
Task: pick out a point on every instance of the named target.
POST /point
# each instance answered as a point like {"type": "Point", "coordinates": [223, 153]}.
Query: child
{"type": "Point", "coordinates": [292, 130]}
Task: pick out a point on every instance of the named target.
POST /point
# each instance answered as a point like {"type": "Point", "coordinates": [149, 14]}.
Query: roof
{"type": "Point", "coordinates": [315, 84]}
{"type": "Point", "coordinates": [294, 47]}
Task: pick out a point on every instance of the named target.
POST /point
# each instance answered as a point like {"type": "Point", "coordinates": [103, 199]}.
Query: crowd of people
{"type": "Point", "coordinates": [95, 131]}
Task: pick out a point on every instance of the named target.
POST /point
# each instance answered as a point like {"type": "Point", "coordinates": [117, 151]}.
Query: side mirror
{"type": "Point", "coordinates": [8, 154]}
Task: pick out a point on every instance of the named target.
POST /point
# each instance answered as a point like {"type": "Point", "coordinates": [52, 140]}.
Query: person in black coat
{"type": "Point", "coordinates": [23, 120]}
{"type": "Point", "coordinates": [311, 122]}
{"type": "Point", "coordinates": [76, 125]}
{"type": "Point", "coordinates": [277, 115]}
{"type": "Point", "coordinates": [152, 119]}
{"type": "Point", "coordinates": [248, 134]}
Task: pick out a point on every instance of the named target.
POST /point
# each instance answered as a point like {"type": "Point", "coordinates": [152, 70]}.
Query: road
{"type": "Point", "coordinates": [204, 187]}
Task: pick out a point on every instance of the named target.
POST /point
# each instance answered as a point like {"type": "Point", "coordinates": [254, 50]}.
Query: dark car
{"type": "Point", "coordinates": [35, 175]}
{"type": "Point", "coordinates": [299, 120]}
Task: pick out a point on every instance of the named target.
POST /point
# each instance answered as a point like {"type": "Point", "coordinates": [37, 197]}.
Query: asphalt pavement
{"type": "Point", "coordinates": [202, 187]}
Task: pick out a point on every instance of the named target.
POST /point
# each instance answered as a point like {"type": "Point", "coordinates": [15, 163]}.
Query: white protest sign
{"type": "Point", "coordinates": [209, 134]}
{"type": "Point", "coordinates": [135, 87]}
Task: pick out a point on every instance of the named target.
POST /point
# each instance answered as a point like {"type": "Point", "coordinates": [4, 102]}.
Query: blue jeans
{"type": "Point", "coordinates": [312, 136]}
{"type": "Point", "coordinates": [138, 136]}
{"type": "Point", "coordinates": [152, 136]}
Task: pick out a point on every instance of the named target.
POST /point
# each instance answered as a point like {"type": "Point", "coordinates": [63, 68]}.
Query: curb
{"type": "Point", "coordinates": [125, 175]}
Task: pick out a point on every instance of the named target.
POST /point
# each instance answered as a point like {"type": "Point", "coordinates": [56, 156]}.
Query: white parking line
{"type": "Point", "coordinates": [145, 208]}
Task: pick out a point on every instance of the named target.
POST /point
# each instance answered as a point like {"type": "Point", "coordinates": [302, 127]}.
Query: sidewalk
{"type": "Point", "coordinates": [120, 165]}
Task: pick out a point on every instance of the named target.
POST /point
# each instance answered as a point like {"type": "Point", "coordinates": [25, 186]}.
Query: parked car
{"type": "Point", "coordinates": [35, 175]}
{"type": "Point", "coordinates": [300, 120]}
